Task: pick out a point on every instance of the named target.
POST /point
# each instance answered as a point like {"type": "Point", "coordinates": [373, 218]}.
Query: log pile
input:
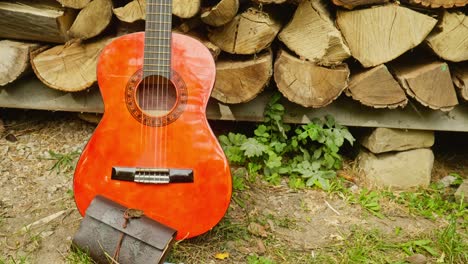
{"type": "Point", "coordinates": [381, 53]}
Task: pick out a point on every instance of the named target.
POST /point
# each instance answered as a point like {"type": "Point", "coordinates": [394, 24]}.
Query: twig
{"type": "Point", "coordinates": [44, 220]}
{"type": "Point", "coordinates": [333, 209]}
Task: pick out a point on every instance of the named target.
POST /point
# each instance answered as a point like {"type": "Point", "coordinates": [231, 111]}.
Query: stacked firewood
{"type": "Point", "coordinates": [381, 53]}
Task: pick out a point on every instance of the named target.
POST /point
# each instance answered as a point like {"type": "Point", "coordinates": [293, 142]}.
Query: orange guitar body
{"type": "Point", "coordinates": [186, 141]}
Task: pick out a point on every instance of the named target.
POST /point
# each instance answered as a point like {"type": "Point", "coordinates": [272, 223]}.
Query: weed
{"type": "Point", "coordinates": [306, 153]}
{"type": "Point", "coordinates": [63, 162]}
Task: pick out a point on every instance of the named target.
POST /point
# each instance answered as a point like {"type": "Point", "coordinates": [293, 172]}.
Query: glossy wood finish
{"type": "Point", "coordinates": [120, 140]}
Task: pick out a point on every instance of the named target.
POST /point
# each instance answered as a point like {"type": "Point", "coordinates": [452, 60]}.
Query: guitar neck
{"type": "Point", "coordinates": [157, 54]}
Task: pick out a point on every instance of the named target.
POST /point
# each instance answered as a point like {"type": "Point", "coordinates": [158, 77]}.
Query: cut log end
{"type": "Point", "coordinates": [240, 81]}
{"type": "Point", "coordinates": [221, 13]}
{"type": "Point", "coordinates": [450, 42]}
{"type": "Point", "coordinates": [70, 67]}
{"type": "Point", "coordinates": [385, 38]}
{"type": "Point", "coordinates": [14, 60]}
{"type": "Point", "coordinates": [376, 88]}
{"type": "Point", "coordinates": [460, 78]}
{"type": "Point", "coordinates": [76, 4]}
{"type": "Point", "coordinates": [312, 34]}
{"type": "Point", "coordinates": [427, 81]}
{"type": "Point", "coordinates": [185, 8]}
{"type": "Point", "coordinates": [131, 12]}
{"type": "Point", "coordinates": [97, 11]}
{"type": "Point", "coordinates": [307, 84]}
{"type": "Point", "coordinates": [248, 33]}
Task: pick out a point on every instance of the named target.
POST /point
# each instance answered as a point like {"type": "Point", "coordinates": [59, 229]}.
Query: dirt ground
{"type": "Point", "coordinates": [262, 219]}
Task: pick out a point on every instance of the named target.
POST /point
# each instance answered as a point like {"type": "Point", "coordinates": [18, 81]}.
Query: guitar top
{"type": "Point", "coordinates": [153, 149]}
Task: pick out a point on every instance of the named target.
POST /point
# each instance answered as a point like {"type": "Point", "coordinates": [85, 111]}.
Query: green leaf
{"type": "Point", "coordinates": [253, 148]}
{"type": "Point", "coordinates": [273, 161]}
{"type": "Point", "coordinates": [261, 131]}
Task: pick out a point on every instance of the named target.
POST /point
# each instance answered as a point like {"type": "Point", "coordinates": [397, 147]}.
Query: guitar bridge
{"type": "Point", "coordinates": [152, 175]}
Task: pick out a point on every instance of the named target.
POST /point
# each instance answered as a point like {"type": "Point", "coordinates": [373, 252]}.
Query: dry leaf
{"type": "Point", "coordinates": [223, 255]}
{"type": "Point", "coordinates": [257, 230]}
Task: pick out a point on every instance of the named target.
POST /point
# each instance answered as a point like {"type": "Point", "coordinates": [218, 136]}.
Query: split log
{"type": "Point", "coordinates": [131, 12]}
{"type": "Point", "coordinates": [92, 20]}
{"type": "Point", "coordinates": [185, 8]}
{"type": "Point", "coordinates": [451, 42]}
{"type": "Point", "coordinates": [377, 88]}
{"type": "Point", "coordinates": [428, 81]}
{"type": "Point", "coordinates": [14, 60]}
{"type": "Point", "coordinates": [460, 78]}
{"type": "Point", "coordinates": [308, 84]}
{"type": "Point", "coordinates": [26, 20]}
{"type": "Point", "coordinates": [312, 34]}
{"type": "Point", "coordinates": [240, 81]}
{"type": "Point", "coordinates": [70, 67]}
{"type": "Point", "coordinates": [350, 4]}
{"type": "Point", "coordinates": [221, 13]}
{"type": "Point", "coordinates": [381, 34]}
{"type": "Point", "coordinates": [248, 33]}
{"type": "Point", "coordinates": [76, 4]}
{"type": "Point", "coordinates": [440, 3]}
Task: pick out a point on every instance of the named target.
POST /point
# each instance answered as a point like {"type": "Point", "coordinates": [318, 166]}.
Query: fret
{"type": "Point", "coordinates": [158, 4]}
{"type": "Point", "coordinates": [158, 30]}
{"type": "Point", "coordinates": [160, 22]}
{"type": "Point", "coordinates": [159, 14]}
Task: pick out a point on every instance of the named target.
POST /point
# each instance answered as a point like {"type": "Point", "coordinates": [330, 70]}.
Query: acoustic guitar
{"type": "Point", "coordinates": [153, 149]}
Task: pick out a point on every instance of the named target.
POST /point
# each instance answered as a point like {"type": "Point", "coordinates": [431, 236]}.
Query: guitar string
{"type": "Point", "coordinates": [167, 56]}
{"type": "Point", "coordinates": [158, 83]}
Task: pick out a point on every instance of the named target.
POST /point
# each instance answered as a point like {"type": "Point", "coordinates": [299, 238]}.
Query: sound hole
{"type": "Point", "coordinates": [156, 95]}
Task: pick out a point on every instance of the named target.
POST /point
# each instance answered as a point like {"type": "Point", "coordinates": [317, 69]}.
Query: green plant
{"type": "Point", "coordinates": [63, 162]}
{"type": "Point", "coordinates": [452, 244]}
{"type": "Point", "coordinates": [307, 153]}
{"type": "Point", "coordinates": [77, 256]}
{"type": "Point", "coordinates": [254, 259]}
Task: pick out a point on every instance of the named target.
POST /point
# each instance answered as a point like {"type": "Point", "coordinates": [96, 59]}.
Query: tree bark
{"type": "Point", "coordinates": [312, 34]}
{"type": "Point", "coordinates": [440, 3]}
{"type": "Point", "coordinates": [14, 60]}
{"type": "Point", "coordinates": [380, 34]}
{"type": "Point", "coordinates": [239, 81]}
{"type": "Point", "coordinates": [308, 84]}
{"type": "Point", "coordinates": [350, 4]}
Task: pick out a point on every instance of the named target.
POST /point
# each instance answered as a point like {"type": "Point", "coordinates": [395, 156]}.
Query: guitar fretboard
{"type": "Point", "coordinates": [157, 59]}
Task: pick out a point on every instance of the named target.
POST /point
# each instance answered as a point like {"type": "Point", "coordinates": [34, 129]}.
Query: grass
{"type": "Point", "coordinates": [78, 256]}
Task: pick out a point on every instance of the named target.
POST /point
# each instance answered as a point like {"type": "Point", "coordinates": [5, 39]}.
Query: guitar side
{"type": "Point", "coordinates": [188, 142]}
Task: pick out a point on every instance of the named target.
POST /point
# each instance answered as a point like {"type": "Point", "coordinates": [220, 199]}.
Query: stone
{"type": "Point", "coordinates": [447, 181]}
{"type": "Point", "coordinates": [391, 139]}
{"type": "Point", "coordinates": [397, 170]}
{"type": "Point", "coordinates": [462, 191]}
